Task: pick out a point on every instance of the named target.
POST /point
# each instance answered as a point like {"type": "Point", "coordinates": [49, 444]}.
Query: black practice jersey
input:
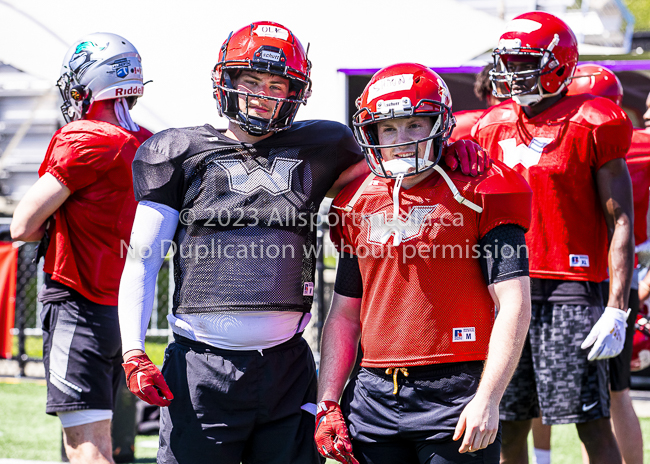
{"type": "Point", "coordinates": [246, 238]}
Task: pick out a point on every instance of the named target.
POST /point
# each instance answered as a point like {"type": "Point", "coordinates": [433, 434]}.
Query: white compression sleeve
{"type": "Point", "coordinates": [153, 230]}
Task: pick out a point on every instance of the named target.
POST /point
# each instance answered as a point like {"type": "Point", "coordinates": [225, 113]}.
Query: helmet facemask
{"type": "Point", "coordinates": [504, 80]}
{"type": "Point", "coordinates": [283, 110]}
{"type": "Point", "coordinates": [264, 58]}
{"type": "Point", "coordinates": [365, 126]}
{"type": "Point", "coordinates": [76, 98]}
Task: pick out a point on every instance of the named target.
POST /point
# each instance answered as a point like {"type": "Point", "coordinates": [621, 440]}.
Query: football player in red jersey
{"type": "Point", "coordinates": [571, 149]}
{"type": "Point", "coordinates": [240, 210]}
{"type": "Point", "coordinates": [597, 80]}
{"type": "Point", "coordinates": [85, 194]}
{"type": "Point", "coordinates": [465, 120]}
{"type": "Point", "coordinates": [602, 82]}
{"type": "Point", "coordinates": [422, 264]}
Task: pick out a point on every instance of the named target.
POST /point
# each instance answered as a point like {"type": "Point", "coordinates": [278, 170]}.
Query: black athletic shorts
{"type": "Point", "coordinates": [619, 367]}
{"type": "Point", "coordinates": [238, 406]}
{"type": "Point", "coordinates": [553, 373]}
{"type": "Point", "coordinates": [82, 354]}
{"type": "Point", "coordinates": [417, 424]}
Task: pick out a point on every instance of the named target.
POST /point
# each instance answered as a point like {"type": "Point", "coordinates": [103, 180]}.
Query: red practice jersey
{"type": "Point", "coordinates": [638, 163]}
{"type": "Point", "coordinates": [93, 159]}
{"type": "Point", "coordinates": [465, 120]}
{"type": "Point", "coordinates": [559, 152]}
{"type": "Point", "coordinates": [426, 301]}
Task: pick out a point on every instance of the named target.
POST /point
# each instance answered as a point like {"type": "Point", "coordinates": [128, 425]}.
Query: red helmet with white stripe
{"type": "Point", "coordinates": [541, 37]}
{"type": "Point", "coordinates": [596, 80]}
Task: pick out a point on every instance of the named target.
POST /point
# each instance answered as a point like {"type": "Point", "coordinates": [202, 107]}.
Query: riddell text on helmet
{"type": "Point", "coordinates": [135, 90]}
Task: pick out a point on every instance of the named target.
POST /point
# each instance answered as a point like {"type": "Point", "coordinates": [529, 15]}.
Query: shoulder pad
{"type": "Point", "coordinates": [348, 193]}
{"type": "Point", "coordinates": [595, 111]}
{"type": "Point", "coordinates": [164, 146]}
{"type": "Point", "coordinates": [640, 147]}
{"type": "Point", "coordinates": [502, 179]}
{"type": "Point", "coordinates": [504, 111]}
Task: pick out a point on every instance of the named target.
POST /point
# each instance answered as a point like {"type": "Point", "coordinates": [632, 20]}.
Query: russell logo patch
{"type": "Point", "coordinates": [579, 260]}
{"type": "Point", "coordinates": [464, 334]}
{"type": "Point", "coordinates": [308, 289]}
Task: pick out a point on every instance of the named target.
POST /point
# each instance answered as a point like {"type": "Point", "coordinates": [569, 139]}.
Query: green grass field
{"type": "Point", "coordinates": [26, 432]}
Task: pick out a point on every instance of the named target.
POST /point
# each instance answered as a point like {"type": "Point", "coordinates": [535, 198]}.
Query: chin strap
{"type": "Point", "coordinates": [395, 223]}
{"type": "Point", "coordinates": [124, 116]}
{"type": "Point", "coordinates": [457, 196]}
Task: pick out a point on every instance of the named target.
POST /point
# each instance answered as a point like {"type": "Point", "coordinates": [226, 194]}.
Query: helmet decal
{"type": "Point", "coordinates": [81, 59]}
{"type": "Point", "coordinates": [100, 66]}
{"type": "Point", "coordinates": [390, 84]}
{"type": "Point", "coordinates": [523, 25]}
{"type": "Point", "coordinates": [268, 30]}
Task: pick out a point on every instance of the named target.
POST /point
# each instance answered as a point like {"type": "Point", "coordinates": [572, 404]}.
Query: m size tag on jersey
{"type": "Point", "coordinates": [579, 260]}
{"type": "Point", "coordinates": [308, 289]}
{"type": "Point", "coordinates": [464, 334]}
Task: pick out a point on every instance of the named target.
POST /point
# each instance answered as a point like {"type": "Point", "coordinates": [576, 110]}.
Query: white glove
{"type": "Point", "coordinates": [608, 333]}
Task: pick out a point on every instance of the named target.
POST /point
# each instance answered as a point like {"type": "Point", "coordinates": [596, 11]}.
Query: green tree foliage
{"type": "Point", "coordinates": [641, 11]}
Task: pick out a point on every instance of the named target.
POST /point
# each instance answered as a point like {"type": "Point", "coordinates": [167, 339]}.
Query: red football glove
{"type": "Point", "coordinates": [146, 382]}
{"type": "Point", "coordinates": [472, 159]}
{"type": "Point", "coordinates": [331, 433]}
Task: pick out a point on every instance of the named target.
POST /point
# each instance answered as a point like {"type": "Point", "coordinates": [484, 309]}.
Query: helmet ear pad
{"type": "Point", "coordinates": [230, 100]}
{"type": "Point", "coordinates": [85, 105]}
{"type": "Point", "coordinates": [131, 101]}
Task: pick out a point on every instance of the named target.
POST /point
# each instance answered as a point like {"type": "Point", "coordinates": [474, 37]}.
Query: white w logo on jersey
{"type": "Point", "coordinates": [527, 156]}
{"type": "Point", "coordinates": [405, 229]}
{"type": "Point", "coordinates": [276, 180]}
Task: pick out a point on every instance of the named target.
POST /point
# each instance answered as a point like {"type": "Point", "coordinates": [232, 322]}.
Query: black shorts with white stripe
{"type": "Point", "coordinates": [81, 354]}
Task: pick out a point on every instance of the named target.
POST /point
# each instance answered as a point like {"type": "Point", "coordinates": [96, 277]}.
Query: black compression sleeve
{"type": "Point", "coordinates": [504, 254]}
{"type": "Point", "coordinates": [348, 277]}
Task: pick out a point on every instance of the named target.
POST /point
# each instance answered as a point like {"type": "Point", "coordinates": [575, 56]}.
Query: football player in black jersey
{"type": "Point", "coordinates": [239, 211]}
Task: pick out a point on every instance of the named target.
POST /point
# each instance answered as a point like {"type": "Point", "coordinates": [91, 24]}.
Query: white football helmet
{"type": "Point", "coordinates": [99, 66]}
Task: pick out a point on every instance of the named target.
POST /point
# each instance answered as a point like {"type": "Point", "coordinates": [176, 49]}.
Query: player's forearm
{"type": "Point", "coordinates": [338, 354]}
{"type": "Point", "coordinates": [621, 263]}
{"type": "Point", "coordinates": [508, 337]}
{"type": "Point", "coordinates": [153, 230]}
{"type": "Point", "coordinates": [615, 192]}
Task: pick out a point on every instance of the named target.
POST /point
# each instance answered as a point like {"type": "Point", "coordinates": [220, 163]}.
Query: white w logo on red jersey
{"type": "Point", "coordinates": [276, 180]}
{"type": "Point", "coordinates": [405, 229]}
{"type": "Point", "coordinates": [527, 156]}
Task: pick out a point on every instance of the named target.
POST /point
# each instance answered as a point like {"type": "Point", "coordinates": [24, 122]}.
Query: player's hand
{"type": "Point", "coordinates": [146, 382]}
{"type": "Point", "coordinates": [480, 422]}
{"type": "Point", "coordinates": [467, 154]}
{"type": "Point", "coordinates": [331, 435]}
{"type": "Point", "coordinates": [607, 335]}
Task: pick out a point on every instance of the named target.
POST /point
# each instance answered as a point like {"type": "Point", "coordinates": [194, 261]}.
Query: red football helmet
{"type": "Point", "coordinates": [264, 47]}
{"type": "Point", "coordinates": [641, 345]}
{"type": "Point", "coordinates": [596, 80]}
{"type": "Point", "coordinates": [402, 91]}
{"type": "Point", "coordinates": [547, 39]}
